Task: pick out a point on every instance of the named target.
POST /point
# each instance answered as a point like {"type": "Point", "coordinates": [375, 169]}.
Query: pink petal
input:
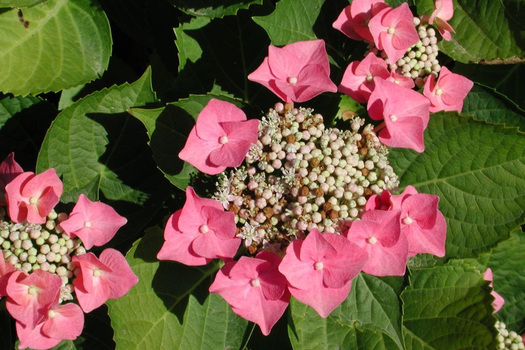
{"type": "Point", "coordinates": [421, 208]}
{"type": "Point", "coordinates": [32, 337]}
{"type": "Point", "coordinates": [67, 322]}
{"type": "Point", "coordinates": [430, 241]}
{"type": "Point", "coordinates": [91, 291]}
{"type": "Point", "coordinates": [264, 76]}
{"type": "Point", "coordinates": [196, 152]}
{"type": "Point", "coordinates": [216, 112]}
{"type": "Point", "coordinates": [322, 299]}
{"type": "Point", "coordinates": [9, 169]}
{"type": "Point", "coordinates": [289, 60]}
{"type": "Point", "coordinates": [191, 218]}
{"type": "Point", "coordinates": [121, 278]}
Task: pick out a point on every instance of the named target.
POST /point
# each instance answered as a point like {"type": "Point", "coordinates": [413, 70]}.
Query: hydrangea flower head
{"type": "Point", "coordinates": [405, 112]}
{"type": "Point", "coordinates": [296, 72]}
{"type": "Point", "coordinates": [353, 20]}
{"type": "Point", "coordinates": [220, 138]}
{"type": "Point", "coordinates": [94, 222]}
{"type": "Point", "coordinates": [448, 92]}
{"type": "Point", "coordinates": [444, 10]}
{"type": "Point", "coordinates": [199, 232]}
{"type": "Point", "coordinates": [320, 269]}
{"type": "Point", "coordinates": [254, 288]}
{"type": "Point", "coordinates": [393, 31]}
{"type": "Point", "coordinates": [32, 196]}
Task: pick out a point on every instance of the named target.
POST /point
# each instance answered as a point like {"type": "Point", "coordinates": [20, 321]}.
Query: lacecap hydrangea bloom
{"type": "Point", "coordinates": [292, 217]}
{"type": "Point", "coordinates": [44, 263]}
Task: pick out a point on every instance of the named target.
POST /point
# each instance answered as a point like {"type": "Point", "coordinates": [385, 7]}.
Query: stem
{"type": "Point", "coordinates": [379, 127]}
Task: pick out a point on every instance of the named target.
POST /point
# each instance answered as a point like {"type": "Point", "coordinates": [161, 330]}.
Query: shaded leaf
{"type": "Point", "coordinates": [163, 310]}
{"type": "Point", "coordinates": [19, 3]}
{"type": "Point", "coordinates": [77, 144]}
{"type": "Point", "coordinates": [477, 171]}
{"type": "Point", "coordinates": [492, 107]}
{"type": "Point", "coordinates": [213, 8]}
{"type": "Point", "coordinates": [9, 106]}
{"type": "Point", "coordinates": [291, 21]}
{"type": "Point", "coordinates": [448, 307]}
{"type": "Point", "coordinates": [62, 44]}
{"type": "Point", "coordinates": [369, 316]}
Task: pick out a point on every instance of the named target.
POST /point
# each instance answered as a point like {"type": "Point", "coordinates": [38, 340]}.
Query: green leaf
{"type": "Point", "coordinates": [213, 8]}
{"type": "Point", "coordinates": [19, 3]}
{"type": "Point", "coordinates": [163, 310]}
{"type": "Point", "coordinates": [507, 79]}
{"type": "Point", "coordinates": [60, 45]}
{"type": "Point", "coordinates": [89, 144]}
{"type": "Point", "coordinates": [477, 171]}
{"type": "Point", "coordinates": [492, 107]}
{"type": "Point", "coordinates": [291, 21]}
{"type": "Point", "coordinates": [168, 129]}
{"type": "Point", "coordinates": [506, 261]}
{"type": "Point", "coordinates": [189, 48]}
{"type": "Point", "coordinates": [370, 315]}
{"type": "Point", "coordinates": [448, 307]}
{"type": "Point", "coordinates": [483, 34]}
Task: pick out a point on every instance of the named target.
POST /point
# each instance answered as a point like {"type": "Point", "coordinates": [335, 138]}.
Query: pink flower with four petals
{"type": "Point", "coordinates": [320, 269]}
{"type": "Point", "coordinates": [444, 10]}
{"type": "Point", "coordinates": [296, 72]}
{"type": "Point", "coordinates": [448, 93]}
{"type": "Point", "coordinates": [199, 232]}
{"type": "Point", "coordinates": [254, 288]}
{"type": "Point", "coordinates": [220, 138]}
{"type": "Point", "coordinates": [353, 20]}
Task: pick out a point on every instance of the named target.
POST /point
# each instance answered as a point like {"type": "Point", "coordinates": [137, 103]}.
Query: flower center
{"type": "Point", "coordinates": [369, 77]}
{"type": "Point", "coordinates": [393, 117]}
{"type": "Point", "coordinates": [204, 229]}
{"type": "Point", "coordinates": [223, 139]}
{"type": "Point", "coordinates": [97, 273]}
{"type": "Point", "coordinates": [391, 30]}
{"type": "Point", "coordinates": [292, 80]}
{"type": "Point", "coordinates": [256, 282]}
{"type": "Point", "coordinates": [408, 220]}
{"type": "Point", "coordinates": [319, 265]}
{"type": "Point", "coordinates": [33, 200]}
{"type": "Point", "coordinates": [51, 313]}
{"type": "Point", "coordinates": [439, 92]}
{"type": "Point", "coordinates": [32, 291]}
{"type": "Point", "coordinates": [87, 224]}
{"type": "Point", "coordinates": [372, 240]}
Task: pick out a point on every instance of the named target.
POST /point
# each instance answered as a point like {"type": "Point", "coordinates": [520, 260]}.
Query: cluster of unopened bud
{"type": "Point", "coordinates": [301, 176]}
{"type": "Point", "coordinates": [508, 340]}
{"type": "Point", "coordinates": [420, 59]}
{"type": "Point", "coordinates": [29, 247]}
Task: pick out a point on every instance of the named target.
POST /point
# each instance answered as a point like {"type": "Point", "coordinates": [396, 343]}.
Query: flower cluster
{"type": "Point", "coordinates": [400, 58]}
{"type": "Point", "coordinates": [312, 207]}
{"type": "Point", "coordinates": [46, 273]}
{"type": "Point", "coordinates": [508, 340]}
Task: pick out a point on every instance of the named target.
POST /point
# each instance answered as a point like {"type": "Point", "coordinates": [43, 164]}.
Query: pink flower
{"type": "Point", "coordinates": [254, 288]}
{"type": "Point", "coordinates": [393, 31]}
{"type": "Point", "coordinates": [448, 93]}
{"type": "Point", "coordinates": [320, 269]}
{"type": "Point", "coordinates": [421, 222]}
{"type": "Point", "coordinates": [358, 79]}
{"type": "Point", "coordinates": [353, 20]}
{"type": "Point", "coordinates": [108, 277]}
{"type": "Point", "coordinates": [94, 222]}
{"type": "Point", "coordinates": [296, 72]}
{"type": "Point", "coordinates": [61, 322]}
{"type": "Point", "coordinates": [199, 232]}
{"type": "Point", "coordinates": [221, 138]}
{"type": "Point", "coordinates": [9, 169]}
{"type": "Point", "coordinates": [29, 296]}
{"type": "Point", "coordinates": [405, 111]}
{"type": "Point", "coordinates": [378, 233]}
{"type": "Point", "coordinates": [443, 12]}
{"type": "Point", "coordinates": [401, 80]}
{"type": "Point", "coordinates": [498, 299]}
{"type": "Point", "coordinates": [32, 197]}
